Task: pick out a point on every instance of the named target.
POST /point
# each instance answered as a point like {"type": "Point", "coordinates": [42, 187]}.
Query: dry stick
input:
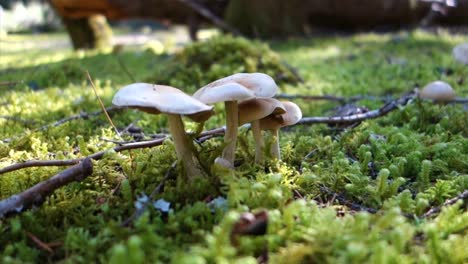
{"type": "Point", "coordinates": [344, 201]}
{"type": "Point", "coordinates": [156, 191]}
{"type": "Point", "coordinates": [102, 104]}
{"type": "Point", "coordinates": [203, 11]}
{"type": "Point", "coordinates": [39, 163]}
{"type": "Point", "coordinates": [388, 107]}
{"type": "Point", "coordinates": [37, 194]}
{"type": "Point", "coordinates": [434, 210]}
{"type": "Point", "coordinates": [98, 155]}
{"type": "Point", "coordinates": [339, 99]}
{"type": "Point", "coordinates": [39, 242]}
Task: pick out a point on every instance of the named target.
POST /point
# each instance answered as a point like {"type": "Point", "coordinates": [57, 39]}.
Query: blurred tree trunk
{"type": "Point", "coordinates": [89, 32]}
{"type": "Point", "coordinates": [267, 18]}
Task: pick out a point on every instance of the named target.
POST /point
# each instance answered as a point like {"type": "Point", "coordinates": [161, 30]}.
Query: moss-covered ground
{"type": "Point", "coordinates": [401, 165]}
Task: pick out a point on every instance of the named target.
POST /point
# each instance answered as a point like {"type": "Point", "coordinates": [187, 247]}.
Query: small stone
{"type": "Point", "coordinates": [438, 91]}
{"type": "Point", "coordinates": [460, 53]}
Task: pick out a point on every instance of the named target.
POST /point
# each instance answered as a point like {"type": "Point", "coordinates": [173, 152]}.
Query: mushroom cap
{"type": "Point", "coordinates": [256, 109]}
{"type": "Point", "coordinates": [292, 116]}
{"type": "Point", "coordinates": [155, 99]}
{"type": "Point", "coordinates": [438, 91]}
{"type": "Point", "coordinates": [460, 53]}
{"type": "Point", "coordinates": [237, 87]}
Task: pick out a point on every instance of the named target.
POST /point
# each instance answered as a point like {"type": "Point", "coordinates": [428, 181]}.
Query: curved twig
{"type": "Point", "coordinates": [37, 194]}
{"type": "Point", "coordinates": [434, 210]}
{"type": "Point", "coordinates": [98, 155]}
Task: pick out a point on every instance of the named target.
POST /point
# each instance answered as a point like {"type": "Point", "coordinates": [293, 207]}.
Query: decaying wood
{"type": "Point", "coordinates": [37, 194]}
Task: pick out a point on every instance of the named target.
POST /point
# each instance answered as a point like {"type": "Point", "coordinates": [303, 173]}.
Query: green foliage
{"type": "Point", "coordinates": [401, 165]}
{"type": "Point", "coordinates": [201, 63]}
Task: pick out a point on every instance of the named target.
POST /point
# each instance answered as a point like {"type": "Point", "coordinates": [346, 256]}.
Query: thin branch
{"type": "Point", "coordinates": [138, 212]}
{"type": "Point", "coordinates": [339, 99]}
{"type": "Point", "coordinates": [103, 108]}
{"type": "Point", "coordinates": [342, 200]}
{"type": "Point", "coordinates": [39, 163]}
{"type": "Point", "coordinates": [388, 107]}
{"type": "Point", "coordinates": [40, 244]}
{"type": "Point", "coordinates": [434, 210]}
{"type": "Point", "coordinates": [203, 11]}
{"type": "Point", "coordinates": [37, 194]}
{"type": "Point", "coordinates": [98, 155]}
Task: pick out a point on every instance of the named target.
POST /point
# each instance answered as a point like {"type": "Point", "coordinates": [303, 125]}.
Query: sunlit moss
{"type": "Point", "coordinates": [404, 163]}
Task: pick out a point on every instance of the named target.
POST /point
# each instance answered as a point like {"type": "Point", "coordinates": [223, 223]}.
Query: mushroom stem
{"type": "Point", "coordinates": [259, 143]}
{"type": "Point", "coordinates": [230, 138]}
{"type": "Point", "coordinates": [275, 148]}
{"type": "Point", "coordinates": [184, 147]}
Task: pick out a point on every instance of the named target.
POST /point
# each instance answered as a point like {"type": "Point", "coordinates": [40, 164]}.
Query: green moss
{"type": "Point", "coordinates": [201, 63]}
{"type": "Point", "coordinates": [405, 162]}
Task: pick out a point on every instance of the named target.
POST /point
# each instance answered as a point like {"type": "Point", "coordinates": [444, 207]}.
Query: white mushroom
{"type": "Point", "coordinates": [171, 101]}
{"type": "Point", "coordinates": [460, 53]}
{"type": "Point", "coordinates": [252, 111]}
{"type": "Point", "coordinates": [231, 90]}
{"type": "Point", "coordinates": [275, 122]}
{"type": "Point", "coordinates": [438, 91]}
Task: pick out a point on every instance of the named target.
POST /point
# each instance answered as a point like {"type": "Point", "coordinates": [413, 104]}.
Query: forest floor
{"type": "Point", "coordinates": [370, 192]}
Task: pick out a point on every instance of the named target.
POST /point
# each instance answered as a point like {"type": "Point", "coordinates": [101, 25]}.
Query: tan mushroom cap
{"type": "Point", "coordinates": [237, 87]}
{"type": "Point", "coordinates": [438, 91]}
{"type": "Point", "coordinates": [256, 109]}
{"type": "Point", "coordinates": [157, 99]}
{"type": "Point", "coordinates": [292, 116]}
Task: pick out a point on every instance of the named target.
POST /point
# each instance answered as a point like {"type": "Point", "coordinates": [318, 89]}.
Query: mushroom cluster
{"type": "Point", "coordinates": [247, 98]}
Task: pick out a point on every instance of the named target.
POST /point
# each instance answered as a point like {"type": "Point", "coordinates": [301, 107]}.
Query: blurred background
{"type": "Point", "coordinates": [89, 23]}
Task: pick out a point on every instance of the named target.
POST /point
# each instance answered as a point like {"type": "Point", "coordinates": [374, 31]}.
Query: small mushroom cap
{"type": "Point", "coordinates": [157, 99]}
{"type": "Point", "coordinates": [460, 53]}
{"type": "Point", "coordinates": [438, 91]}
{"type": "Point", "coordinates": [292, 116]}
{"type": "Point", "coordinates": [256, 109]}
{"type": "Point", "coordinates": [237, 87]}
{"type": "Point", "coordinates": [223, 92]}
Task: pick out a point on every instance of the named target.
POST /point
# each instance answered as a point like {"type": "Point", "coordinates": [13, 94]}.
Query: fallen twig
{"type": "Point", "coordinates": [98, 155]}
{"type": "Point", "coordinates": [434, 210]}
{"type": "Point", "coordinates": [388, 107]}
{"type": "Point", "coordinates": [37, 194]}
{"type": "Point", "coordinates": [39, 163]}
{"type": "Point", "coordinates": [342, 200]}
{"type": "Point", "coordinates": [40, 243]}
{"type": "Point", "coordinates": [339, 99]}
{"type": "Point", "coordinates": [138, 212]}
